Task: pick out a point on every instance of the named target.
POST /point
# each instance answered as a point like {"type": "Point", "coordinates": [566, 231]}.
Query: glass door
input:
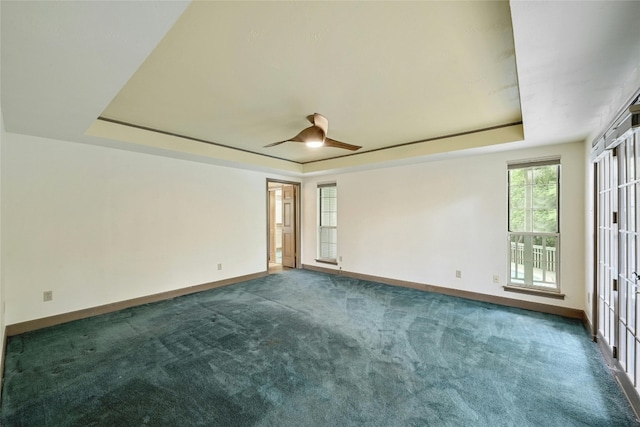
{"type": "Point", "coordinates": [607, 229]}
{"type": "Point", "coordinates": [628, 274]}
{"type": "Point", "coordinates": [618, 266]}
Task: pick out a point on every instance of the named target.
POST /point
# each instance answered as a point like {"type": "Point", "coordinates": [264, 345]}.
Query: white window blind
{"type": "Point", "coordinates": [327, 222]}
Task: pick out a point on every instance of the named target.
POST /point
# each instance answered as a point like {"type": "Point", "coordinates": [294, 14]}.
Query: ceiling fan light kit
{"type": "Point", "coordinates": [315, 144]}
{"type": "Point", "coordinates": [315, 136]}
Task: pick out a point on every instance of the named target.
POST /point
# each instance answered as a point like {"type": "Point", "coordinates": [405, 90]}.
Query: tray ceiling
{"type": "Point", "coordinates": [216, 81]}
{"type": "Point", "coordinates": [244, 75]}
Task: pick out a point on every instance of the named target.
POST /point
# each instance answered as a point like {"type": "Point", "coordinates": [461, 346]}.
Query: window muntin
{"type": "Point", "coordinates": [534, 231]}
{"type": "Point", "coordinates": [533, 199]}
{"type": "Point", "coordinates": [328, 222]}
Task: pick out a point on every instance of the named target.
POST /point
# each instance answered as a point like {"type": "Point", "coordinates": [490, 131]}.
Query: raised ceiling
{"type": "Point", "coordinates": [247, 74]}
{"type": "Point", "coordinates": [231, 77]}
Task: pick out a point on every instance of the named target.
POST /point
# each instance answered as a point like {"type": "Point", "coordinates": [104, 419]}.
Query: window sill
{"type": "Point", "coordinates": [532, 291]}
{"type": "Point", "coordinates": [328, 261]}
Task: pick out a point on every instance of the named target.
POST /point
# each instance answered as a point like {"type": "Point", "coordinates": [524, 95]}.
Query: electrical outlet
{"type": "Point", "coordinates": [496, 279]}
{"type": "Point", "coordinates": [47, 296]}
{"type": "Point", "coordinates": [219, 266]}
{"type": "Point", "coordinates": [340, 258]}
{"type": "Point", "coordinates": [458, 274]}
{"type": "Point", "coordinates": [589, 298]}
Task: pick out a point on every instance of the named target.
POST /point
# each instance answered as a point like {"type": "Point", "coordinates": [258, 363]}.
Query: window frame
{"type": "Point", "coordinates": [321, 226]}
{"type": "Point", "coordinates": [533, 285]}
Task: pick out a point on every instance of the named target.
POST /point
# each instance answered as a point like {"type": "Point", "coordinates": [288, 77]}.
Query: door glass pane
{"type": "Point", "coordinates": [630, 365]}
{"type": "Point", "coordinates": [623, 260]}
{"type": "Point", "coordinates": [621, 164]}
{"type": "Point", "coordinates": [631, 208]}
{"type": "Point", "coordinates": [622, 291]}
{"type": "Point", "coordinates": [631, 321]}
{"type": "Point", "coordinates": [629, 154]}
{"type": "Point", "coordinates": [622, 351]}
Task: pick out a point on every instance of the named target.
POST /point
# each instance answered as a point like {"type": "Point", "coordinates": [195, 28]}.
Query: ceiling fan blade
{"type": "Point", "coordinates": [319, 120]}
{"type": "Point", "coordinates": [317, 132]}
{"type": "Point", "coordinates": [312, 133]}
{"type": "Point", "coordinates": [328, 142]}
{"type": "Point", "coordinates": [274, 144]}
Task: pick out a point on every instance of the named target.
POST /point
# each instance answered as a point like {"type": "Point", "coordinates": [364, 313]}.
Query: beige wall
{"type": "Point", "coordinates": [422, 222]}
{"type": "Point", "coordinates": [98, 225]}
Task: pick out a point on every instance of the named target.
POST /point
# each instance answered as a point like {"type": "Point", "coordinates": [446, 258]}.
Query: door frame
{"type": "Point", "coordinates": [297, 216]}
{"type": "Point", "coordinates": [596, 241]}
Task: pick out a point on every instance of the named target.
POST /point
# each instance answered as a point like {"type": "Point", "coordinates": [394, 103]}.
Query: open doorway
{"type": "Point", "coordinates": [275, 225]}
{"type": "Point", "coordinates": [283, 225]}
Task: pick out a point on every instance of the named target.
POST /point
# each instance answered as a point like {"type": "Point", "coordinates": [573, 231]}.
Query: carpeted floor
{"type": "Point", "coordinates": [301, 348]}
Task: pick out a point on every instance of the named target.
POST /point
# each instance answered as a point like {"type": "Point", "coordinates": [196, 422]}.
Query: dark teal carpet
{"type": "Point", "coordinates": [307, 349]}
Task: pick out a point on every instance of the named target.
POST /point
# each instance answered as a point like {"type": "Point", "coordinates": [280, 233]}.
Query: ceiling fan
{"type": "Point", "coordinates": [316, 135]}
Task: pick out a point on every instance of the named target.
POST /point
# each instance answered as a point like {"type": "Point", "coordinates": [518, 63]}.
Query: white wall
{"type": "Point", "coordinates": [423, 222]}
{"type": "Point", "coordinates": [97, 225]}
{"type": "Point", "coordinates": [2, 299]}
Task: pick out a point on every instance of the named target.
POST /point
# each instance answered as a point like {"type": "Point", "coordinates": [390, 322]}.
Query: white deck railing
{"type": "Point", "coordinates": [534, 265]}
{"type": "Point", "coordinates": [544, 257]}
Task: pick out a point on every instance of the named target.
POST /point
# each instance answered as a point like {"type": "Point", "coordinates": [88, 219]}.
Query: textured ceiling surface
{"type": "Point", "coordinates": [245, 74]}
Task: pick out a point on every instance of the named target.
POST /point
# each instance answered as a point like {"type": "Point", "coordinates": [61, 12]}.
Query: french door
{"type": "Point", "coordinates": [618, 221]}
{"type": "Point", "coordinates": [607, 269]}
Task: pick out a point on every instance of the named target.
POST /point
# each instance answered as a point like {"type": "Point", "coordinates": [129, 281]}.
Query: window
{"type": "Point", "coordinates": [534, 232]}
{"type": "Point", "coordinates": [327, 223]}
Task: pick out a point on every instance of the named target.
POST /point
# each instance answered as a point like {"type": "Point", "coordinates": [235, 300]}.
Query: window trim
{"type": "Point", "coordinates": [333, 261]}
{"type": "Point", "coordinates": [532, 288]}
{"type": "Point", "coordinates": [533, 163]}
{"type": "Point", "coordinates": [534, 291]}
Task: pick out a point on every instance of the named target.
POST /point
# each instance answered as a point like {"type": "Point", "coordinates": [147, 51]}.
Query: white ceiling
{"type": "Point", "coordinates": [244, 74]}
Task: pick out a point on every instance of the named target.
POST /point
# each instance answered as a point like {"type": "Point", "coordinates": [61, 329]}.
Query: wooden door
{"type": "Point", "coordinates": [272, 226]}
{"type": "Point", "coordinates": [288, 226]}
